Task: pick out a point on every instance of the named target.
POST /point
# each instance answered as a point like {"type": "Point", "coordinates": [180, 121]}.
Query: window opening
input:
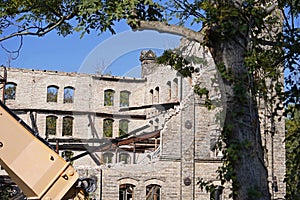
{"type": "Point", "coordinates": [52, 92]}
{"type": "Point", "coordinates": [67, 155]}
{"type": "Point", "coordinates": [67, 129]}
{"type": "Point", "coordinates": [126, 192]}
{"type": "Point", "coordinates": [69, 94]}
{"type": "Point", "coordinates": [169, 90]}
{"type": "Point", "coordinates": [124, 157]}
{"type": "Point", "coordinates": [151, 96]}
{"type": "Point", "coordinates": [157, 94]}
{"type": "Point", "coordinates": [108, 127]}
{"type": "Point", "coordinates": [175, 88]}
{"type": "Point", "coordinates": [124, 99]}
{"type": "Point", "coordinates": [51, 125]}
{"type": "Point", "coordinates": [216, 193]}
{"type": "Point", "coordinates": [108, 158]}
{"type": "Point", "coordinates": [153, 192]}
{"type": "Point", "coordinates": [10, 91]}
{"type": "Point", "coordinates": [109, 97]}
{"type": "Point", "coordinates": [123, 127]}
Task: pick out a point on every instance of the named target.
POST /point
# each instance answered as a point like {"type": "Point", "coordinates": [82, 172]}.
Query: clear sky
{"type": "Point", "coordinates": [116, 54]}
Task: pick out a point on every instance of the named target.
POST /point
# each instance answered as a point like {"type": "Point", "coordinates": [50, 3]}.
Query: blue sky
{"type": "Point", "coordinates": [116, 54]}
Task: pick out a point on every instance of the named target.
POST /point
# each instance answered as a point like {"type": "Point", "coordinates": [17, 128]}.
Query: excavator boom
{"type": "Point", "coordinates": [38, 170]}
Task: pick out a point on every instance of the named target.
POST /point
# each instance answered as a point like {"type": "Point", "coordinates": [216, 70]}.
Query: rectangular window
{"type": "Point", "coordinates": [51, 125]}
{"type": "Point", "coordinates": [109, 97]}
{"type": "Point", "coordinates": [108, 127]}
{"type": "Point", "coordinates": [67, 129]}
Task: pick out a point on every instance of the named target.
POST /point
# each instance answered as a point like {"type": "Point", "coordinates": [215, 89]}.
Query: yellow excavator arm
{"type": "Point", "coordinates": [38, 170]}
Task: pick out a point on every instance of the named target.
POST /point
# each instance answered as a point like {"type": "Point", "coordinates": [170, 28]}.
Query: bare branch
{"type": "Point", "coordinates": [172, 29]}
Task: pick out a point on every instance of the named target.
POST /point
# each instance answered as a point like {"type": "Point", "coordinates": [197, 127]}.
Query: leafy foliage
{"type": "Point", "coordinates": [67, 129]}
{"type": "Point", "coordinates": [10, 91]}
{"type": "Point", "coordinates": [108, 127]}
{"type": "Point", "coordinates": [293, 154]}
{"type": "Point", "coordinates": [51, 125]}
{"type": "Point", "coordinates": [52, 92]}
{"type": "Point", "coordinates": [253, 27]}
{"type": "Point", "coordinates": [109, 97]}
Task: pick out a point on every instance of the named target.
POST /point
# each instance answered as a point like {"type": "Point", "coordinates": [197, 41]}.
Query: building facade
{"type": "Point", "coordinates": [138, 138]}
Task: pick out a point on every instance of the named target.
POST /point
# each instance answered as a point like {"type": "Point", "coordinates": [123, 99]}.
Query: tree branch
{"type": "Point", "coordinates": [271, 8]}
{"type": "Point", "coordinates": [40, 32]}
{"type": "Point", "coordinates": [172, 29]}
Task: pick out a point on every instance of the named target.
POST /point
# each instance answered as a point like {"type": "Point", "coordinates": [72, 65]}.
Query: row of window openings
{"type": "Point", "coordinates": [153, 192]}
{"type": "Point", "coordinates": [107, 158]}
{"type": "Point", "coordinates": [154, 94]}
{"type": "Point", "coordinates": [52, 93]}
{"type": "Point", "coordinates": [67, 127]}
{"type": "Point", "coordinates": [126, 192]}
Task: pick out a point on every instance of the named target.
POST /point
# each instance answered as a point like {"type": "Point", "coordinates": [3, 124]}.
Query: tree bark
{"type": "Point", "coordinates": [242, 131]}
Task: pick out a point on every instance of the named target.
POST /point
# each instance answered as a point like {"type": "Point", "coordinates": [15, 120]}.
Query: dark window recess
{"type": "Point", "coordinates": [153, 192]}
{"type": "Point", "coordinates": [51, 125]}
{"type": "Point", "coordinates": [126, 192]}
{"type": "Point", "coordinates": [67, 129]}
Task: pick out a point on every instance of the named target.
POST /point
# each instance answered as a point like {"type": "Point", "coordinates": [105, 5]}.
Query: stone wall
{"type": "Point", "coordinates": [188, 130]}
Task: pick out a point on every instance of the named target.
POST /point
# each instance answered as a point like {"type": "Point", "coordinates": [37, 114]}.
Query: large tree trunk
{"type": "Point", "coordinates": [246, 168]}
{"type": "Point", "coordinates": [241, 132]}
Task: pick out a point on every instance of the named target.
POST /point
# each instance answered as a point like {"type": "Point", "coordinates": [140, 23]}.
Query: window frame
{"type": "Point", "coordinates": [7, 86]}
{"type": "Point", "coordinates": [54, 129]}
{"type": "Point", "coordinates": [66, 90]}
{"type": "Point", "coordinates": [55, 96]}
{"type": "Point", "coordinates": [109, 97]}
{"type": "Point", "coordinates": [108, 127]}
{"type": "Point", "coordinates": [128, 158]}
{"type": "Point", "coordinates": [64, 128]}
{"type": "Point", "coordinates": [121, 131]}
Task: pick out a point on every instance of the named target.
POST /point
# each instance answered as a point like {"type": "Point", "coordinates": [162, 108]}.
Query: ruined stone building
{"type": "Point", "coordinates": [146, 138]}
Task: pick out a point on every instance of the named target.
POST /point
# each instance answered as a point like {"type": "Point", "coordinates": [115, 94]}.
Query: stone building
{"type": "Point", "coordinates": [145, 138]}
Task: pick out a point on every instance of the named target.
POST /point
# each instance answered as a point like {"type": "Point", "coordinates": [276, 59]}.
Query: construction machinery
{"type": "Point", "coordinates": [36, 168]}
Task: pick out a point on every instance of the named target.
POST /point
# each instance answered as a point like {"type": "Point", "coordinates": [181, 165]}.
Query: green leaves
{"type": "Point", "coordinates": [175, 60]}
{"type": "Point", "coordinates": [293, 153]}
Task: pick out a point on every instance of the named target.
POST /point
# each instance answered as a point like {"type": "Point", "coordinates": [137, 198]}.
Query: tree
{"type": "Point", "coordinates": [293, 154]}
{"type": "Point", "coordinates": [245, 38]}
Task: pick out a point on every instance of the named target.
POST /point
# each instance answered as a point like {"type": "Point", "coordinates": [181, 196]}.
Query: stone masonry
{"type": "Point", "coordinates": [163, 101]}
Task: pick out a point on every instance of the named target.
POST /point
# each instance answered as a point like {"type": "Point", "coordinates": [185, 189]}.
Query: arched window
{"type": "Point", "coordinates": [124, 98]}
{"type": "Point", "coordinates": [124, 157]}
{"type": "Point", "coordinates": [108, 127]}
{"type": "Point", "coordinates": [126, 192]}
{"type": "Point", "coordinates": [67, 129]}
{"type": "Point", "coordinates": [108, 157]}
{"type": "Point", "coordinates": [10, 91]}
{"type": "Point", "coordinates": [109, 97]}
{"type": "Point", "coordinates": [69, 94]}
{"type": "Point", "coordinates": [52, 92]}
{"type": "Point", "coordinates": [123, 127]}
{"type": "Point", "coordinates": [175, 88]}
{"type": "Point", "coordinates": [153, 192]}
{"type": "Point", "coordinates": [169, 90]}
{"type": "Point", "coordinates": [151, 96]}
{"type": "Point", "coordinates": [157, 95]}
{"type": "Point", "coordinates": [50, 125]}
